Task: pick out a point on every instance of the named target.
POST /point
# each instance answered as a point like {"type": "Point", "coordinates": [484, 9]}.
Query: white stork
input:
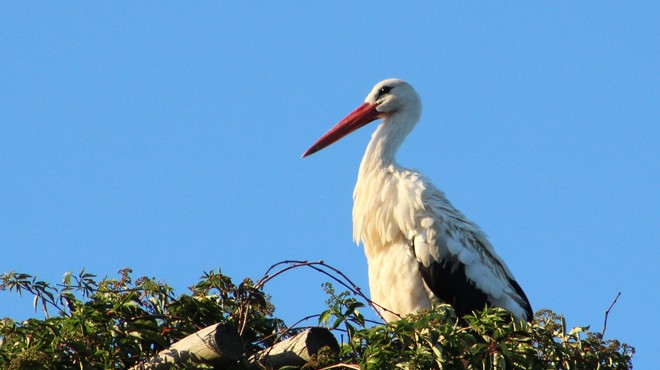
{"type": "Point", "coordinates": [420, 249]}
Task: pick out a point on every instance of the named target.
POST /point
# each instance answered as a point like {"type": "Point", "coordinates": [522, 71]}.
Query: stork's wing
{"type": "Point", "coordinates": [458, 263]}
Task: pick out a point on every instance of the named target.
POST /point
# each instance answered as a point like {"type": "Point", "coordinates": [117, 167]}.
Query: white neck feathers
{"type": "Point", "coordinates": [381, 213]}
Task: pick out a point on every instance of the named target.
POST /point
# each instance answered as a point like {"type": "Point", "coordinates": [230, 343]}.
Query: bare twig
{"type": "Point", "coordinates": [607, 312]}
{"type": "Point", "coordinates": [342, 365]}
{"type": "Point", "coordinates": [330, 271]}
{"type": "Point", "coordinates": [295, 324]}
{"type": "Point", "coordinates": [354, 289]}
{"type": "Point", "coordinates": [319, 266]}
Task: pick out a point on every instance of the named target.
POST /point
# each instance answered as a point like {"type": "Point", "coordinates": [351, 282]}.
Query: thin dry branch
{"type": "Point", "coordinates": [330, 271]}
{"type": "Point", "coordinates": [342, 366]}
{"type": "Point", "coordinates": [607, 312]}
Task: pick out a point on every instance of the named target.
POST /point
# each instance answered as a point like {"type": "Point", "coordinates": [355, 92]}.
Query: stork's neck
{"type": "Point", "coordinates": [376, 191]}
{"type": "Point", "coordinates": [386, 140]}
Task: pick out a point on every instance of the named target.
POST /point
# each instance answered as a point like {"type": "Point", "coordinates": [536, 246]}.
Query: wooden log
{"type": "Point", "coordinates": [294, 351]}
{"type": "Point", "coordinates": [216, 345]}
{"type": "Point", "coordinates": [220, 345]}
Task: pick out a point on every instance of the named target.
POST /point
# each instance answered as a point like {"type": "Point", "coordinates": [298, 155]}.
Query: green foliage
{"type": "Point", "coordinates": [344, 309]}
{"type": "Point", "coordinates": [489, 339]}
{"type": "Point", "coordinates": [117, 323]}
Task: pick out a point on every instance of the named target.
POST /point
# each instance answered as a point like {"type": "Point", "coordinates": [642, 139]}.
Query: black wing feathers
{"type": "Point", "coordinates": [448, 282]}
{"type": "Point", "coordinates": [527, 306]}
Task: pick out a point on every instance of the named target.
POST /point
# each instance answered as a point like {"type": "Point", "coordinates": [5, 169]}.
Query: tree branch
{"type": "Point", "coordinates": [327, 270]}
{"type": "Point", "coordinates": [607, 312]}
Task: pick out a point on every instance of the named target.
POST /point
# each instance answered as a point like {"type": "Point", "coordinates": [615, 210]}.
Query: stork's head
{"type": "Point", "coordinates": [388, 98]}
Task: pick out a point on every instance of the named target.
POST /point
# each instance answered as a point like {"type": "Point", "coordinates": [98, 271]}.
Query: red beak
{"type": "Point", "coordinates": [362, 115]}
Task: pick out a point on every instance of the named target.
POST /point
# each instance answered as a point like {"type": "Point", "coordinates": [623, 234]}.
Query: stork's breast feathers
{"type": "Point", "coordinates": [386, 206]}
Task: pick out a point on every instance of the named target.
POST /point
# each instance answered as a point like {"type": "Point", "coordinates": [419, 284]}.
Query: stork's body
{"type": "Point", "coordinates": [419, 247]}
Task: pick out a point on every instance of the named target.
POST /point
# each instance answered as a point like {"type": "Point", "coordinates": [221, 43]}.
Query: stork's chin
{"type": "Point", "coordinates": [362, 115]}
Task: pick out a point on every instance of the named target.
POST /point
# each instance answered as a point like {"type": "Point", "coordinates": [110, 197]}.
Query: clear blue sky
{"type": "Point", "coordinates": [166, 137]}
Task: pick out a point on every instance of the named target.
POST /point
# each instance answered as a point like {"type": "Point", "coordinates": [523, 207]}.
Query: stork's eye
{"type": "Point", "coordinates": [384, 90]}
